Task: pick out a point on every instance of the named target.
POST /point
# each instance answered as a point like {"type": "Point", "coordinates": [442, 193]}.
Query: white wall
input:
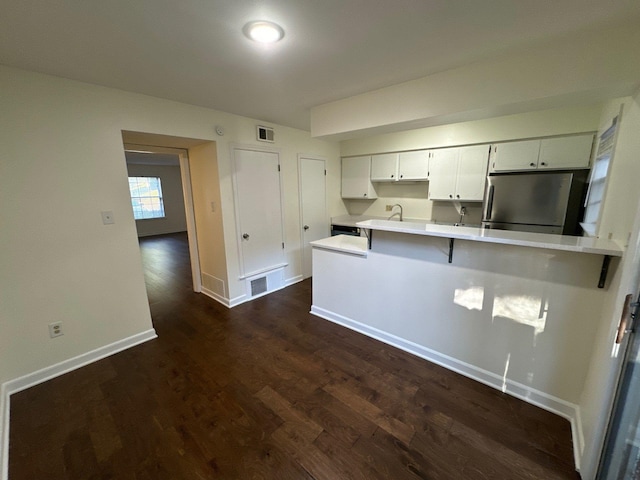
{"type": "Point", "coordinates": [621, 219]}
{"type": "Point", "coordinates": [174, 220]}
{"type": "Point", "coordinates": [207, 206]}
{"type": "Point", "coordinates": [62, 163]}
{"type": "Point", "coordinates": [413, 197]}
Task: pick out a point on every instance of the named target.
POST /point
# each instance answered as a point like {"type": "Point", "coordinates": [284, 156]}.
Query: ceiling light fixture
{"type": "Point", "coordinates": [263, 32]}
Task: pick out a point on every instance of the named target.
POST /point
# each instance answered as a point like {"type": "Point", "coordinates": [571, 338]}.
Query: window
{"type": "Point", "coordinates": [597, 182]}
{"type": "Point", "coordinates": [146, 197]}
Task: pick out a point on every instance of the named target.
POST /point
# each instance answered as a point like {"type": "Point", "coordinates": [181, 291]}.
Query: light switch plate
{"type": "Point", "coordinates": [107, 218]}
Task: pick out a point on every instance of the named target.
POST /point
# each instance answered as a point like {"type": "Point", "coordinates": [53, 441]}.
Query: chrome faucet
{"type": "Point", "coordinates": [394, 214]}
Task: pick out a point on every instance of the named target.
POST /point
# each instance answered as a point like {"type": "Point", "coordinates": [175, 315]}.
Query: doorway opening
{"type": "Point", "coordinates": [167, 158]}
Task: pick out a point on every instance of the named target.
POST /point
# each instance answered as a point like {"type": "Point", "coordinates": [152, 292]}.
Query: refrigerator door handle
{"type": "Point", "coordinates": [489, 208]}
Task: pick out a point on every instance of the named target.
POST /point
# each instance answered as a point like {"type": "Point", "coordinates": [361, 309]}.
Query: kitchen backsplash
{"type": "Point", "coordinates": [415, 204]}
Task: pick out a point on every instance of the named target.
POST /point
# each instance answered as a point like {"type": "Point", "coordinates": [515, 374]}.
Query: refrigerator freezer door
{"type": "Point", "coordinates": [535, 199]}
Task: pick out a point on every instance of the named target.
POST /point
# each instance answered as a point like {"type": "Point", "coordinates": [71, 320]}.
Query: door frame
{"type": "Point", "coordinates": [301, 157]}
{"type": "Point", "coordinates": [185, 177]}
{"type": "Point", "coordinates": [236, 206]}
{"type": "Point", "coordinates": [194, 254]}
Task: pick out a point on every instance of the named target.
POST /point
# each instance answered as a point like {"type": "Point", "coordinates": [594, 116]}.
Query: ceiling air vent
{"type": "Point", "coordinates": [264, 134]}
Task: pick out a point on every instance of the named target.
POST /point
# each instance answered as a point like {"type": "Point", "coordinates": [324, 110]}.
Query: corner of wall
{"type": "Point", "coordinates": [4, 432]}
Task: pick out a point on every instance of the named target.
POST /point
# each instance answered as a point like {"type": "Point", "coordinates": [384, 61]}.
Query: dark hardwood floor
{"type": "Point", "coordinates": [267, 391]}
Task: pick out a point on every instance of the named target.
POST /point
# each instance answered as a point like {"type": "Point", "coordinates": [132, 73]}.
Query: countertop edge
{"type": "Point", "coordinates": [537, 240]}
{"type": "Point", "coordinates": [343, 243]}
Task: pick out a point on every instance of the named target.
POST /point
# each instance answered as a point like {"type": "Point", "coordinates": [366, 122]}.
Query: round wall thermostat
{"type": "Point", "coordinates": [219, 130]}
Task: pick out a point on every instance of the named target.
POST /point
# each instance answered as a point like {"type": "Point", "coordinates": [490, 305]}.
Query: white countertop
{"type": "Point", "coordinates": [343, 243]}
{"type": "Point", "coordinates": [505, 237]}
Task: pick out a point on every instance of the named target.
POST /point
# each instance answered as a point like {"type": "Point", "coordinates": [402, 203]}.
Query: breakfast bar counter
{"type": "Point", "coordinates": [516, 311]}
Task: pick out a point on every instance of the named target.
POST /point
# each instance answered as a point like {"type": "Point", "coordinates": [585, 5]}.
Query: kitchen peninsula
{"type": "Point", "coordinates": [514, 310]}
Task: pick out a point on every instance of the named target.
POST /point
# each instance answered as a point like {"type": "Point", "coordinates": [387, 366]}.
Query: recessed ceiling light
{"type": "Point", "coordinates": [263, 32]}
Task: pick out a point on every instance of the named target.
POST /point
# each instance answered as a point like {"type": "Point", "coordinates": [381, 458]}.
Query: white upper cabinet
{"type": "Point", "coordinates": [472, 173]}
{"type": "Point", "coordinates": [413, 166]}
{"type": "Point", "coordinates": [356, 178]}
{"type": "Point", "coordinates": [443, 169]}
{"type": "Point", "coordinates": [560, 153]}
{"type": "Point", "coordinates": [566, 152]}
{"type": "Point", "coordinates": [513, 156]}
{"type": "Point", "coordinates": [458, 173]}
{"type": "Point", "coordinates": [384, 167]}
{"type": "Point", "coordinates": [399, 167]}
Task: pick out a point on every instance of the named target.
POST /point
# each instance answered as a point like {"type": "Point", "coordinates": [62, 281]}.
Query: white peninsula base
{"type": "Point", "coordinates": [517, 318]}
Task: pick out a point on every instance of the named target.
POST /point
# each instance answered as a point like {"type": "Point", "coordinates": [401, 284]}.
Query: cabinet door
{"type": "Point", "coordinates": [413, 166]}
{"type": "Point", "coordinates": [356, 178]}
{"type": "Point", "coordinates": [443, 166]}
{"type": "Point", "coordinates": [566, 152]}
{"type": "Point", "coordinates": [472, 172]}
{"type": "Point", "coordinates": [384, 167]}
{"type": "Point", "coordinates": [514, 156]}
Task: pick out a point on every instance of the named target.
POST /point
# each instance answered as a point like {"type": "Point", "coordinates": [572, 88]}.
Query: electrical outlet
{"type": "Point", "coordinates": [388, 208]}
{"type": "Point", "coordinates": [55, 329]}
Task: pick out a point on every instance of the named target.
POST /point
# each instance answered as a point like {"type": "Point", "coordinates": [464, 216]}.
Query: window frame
{"type": "Point", "coordinates": [145, 203]}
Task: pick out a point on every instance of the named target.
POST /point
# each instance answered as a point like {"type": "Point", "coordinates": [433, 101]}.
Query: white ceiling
{"type": "Point", "coordinates": [193, 51]}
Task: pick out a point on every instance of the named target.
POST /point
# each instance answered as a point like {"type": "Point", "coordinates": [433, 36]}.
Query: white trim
{"type": "Point", "coordinates": [39, 376]}
{"type": "Point", "coordinates": [234, 302]}
{"type": "Point", "coordinates": [553, 404]}
{"type": "Point", "coordinates": [4, 432]}
{"type": "Point", "coordinates": [577, 436]}
{"type": "Point", "coordinates": [215, 296]}
{"type": "Point", "coordinates": [263, 270]}
{"type": "Point", "coordinates": [194, 254]}
{"type": "Point", "coordinates": [290, 281]}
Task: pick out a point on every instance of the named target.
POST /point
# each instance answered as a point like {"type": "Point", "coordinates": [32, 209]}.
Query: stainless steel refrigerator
{"type": "Point", "coordinates": [545, 202]}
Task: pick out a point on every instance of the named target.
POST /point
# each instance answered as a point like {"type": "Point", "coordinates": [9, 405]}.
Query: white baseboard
{"type": "Point", "coordinates": [293, 280]}
{"type": "Point", "coordinates": [21, 383]}
{"type": "Point", "coordinates": [230, 303]}
{"type": "Point", "coordinates": [218, 298]}
{"type": "Point", "coordinates": [553, 404]}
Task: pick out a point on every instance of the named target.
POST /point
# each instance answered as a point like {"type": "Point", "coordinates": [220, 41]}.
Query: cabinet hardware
{"type": "Point", "coordinates": [245, 236]}
{"type": "Point", "coordinates": [532, 164]}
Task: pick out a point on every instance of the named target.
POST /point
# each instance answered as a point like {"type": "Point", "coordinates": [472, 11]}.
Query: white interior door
{"type": "Point", "coordinates": [259, 210]}
{"type": "Point", "coordinates": [313, 211]}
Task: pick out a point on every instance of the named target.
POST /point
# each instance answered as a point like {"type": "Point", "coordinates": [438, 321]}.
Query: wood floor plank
{"type": "Point", "coordinates": [392, 425]}
{"type": "Point", "coordinates": [267, 391]}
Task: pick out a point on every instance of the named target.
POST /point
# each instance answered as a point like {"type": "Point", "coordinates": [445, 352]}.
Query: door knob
{"type": "Point", "coordinates": [306, 227]}
{"type": "Point", "coordinates": [245, 236]}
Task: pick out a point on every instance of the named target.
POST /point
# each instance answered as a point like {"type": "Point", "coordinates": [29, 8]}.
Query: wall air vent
{"type": "Point", "coordinates": [258, 286]}
{"type": "Point", "coordinates": [264, 134]}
